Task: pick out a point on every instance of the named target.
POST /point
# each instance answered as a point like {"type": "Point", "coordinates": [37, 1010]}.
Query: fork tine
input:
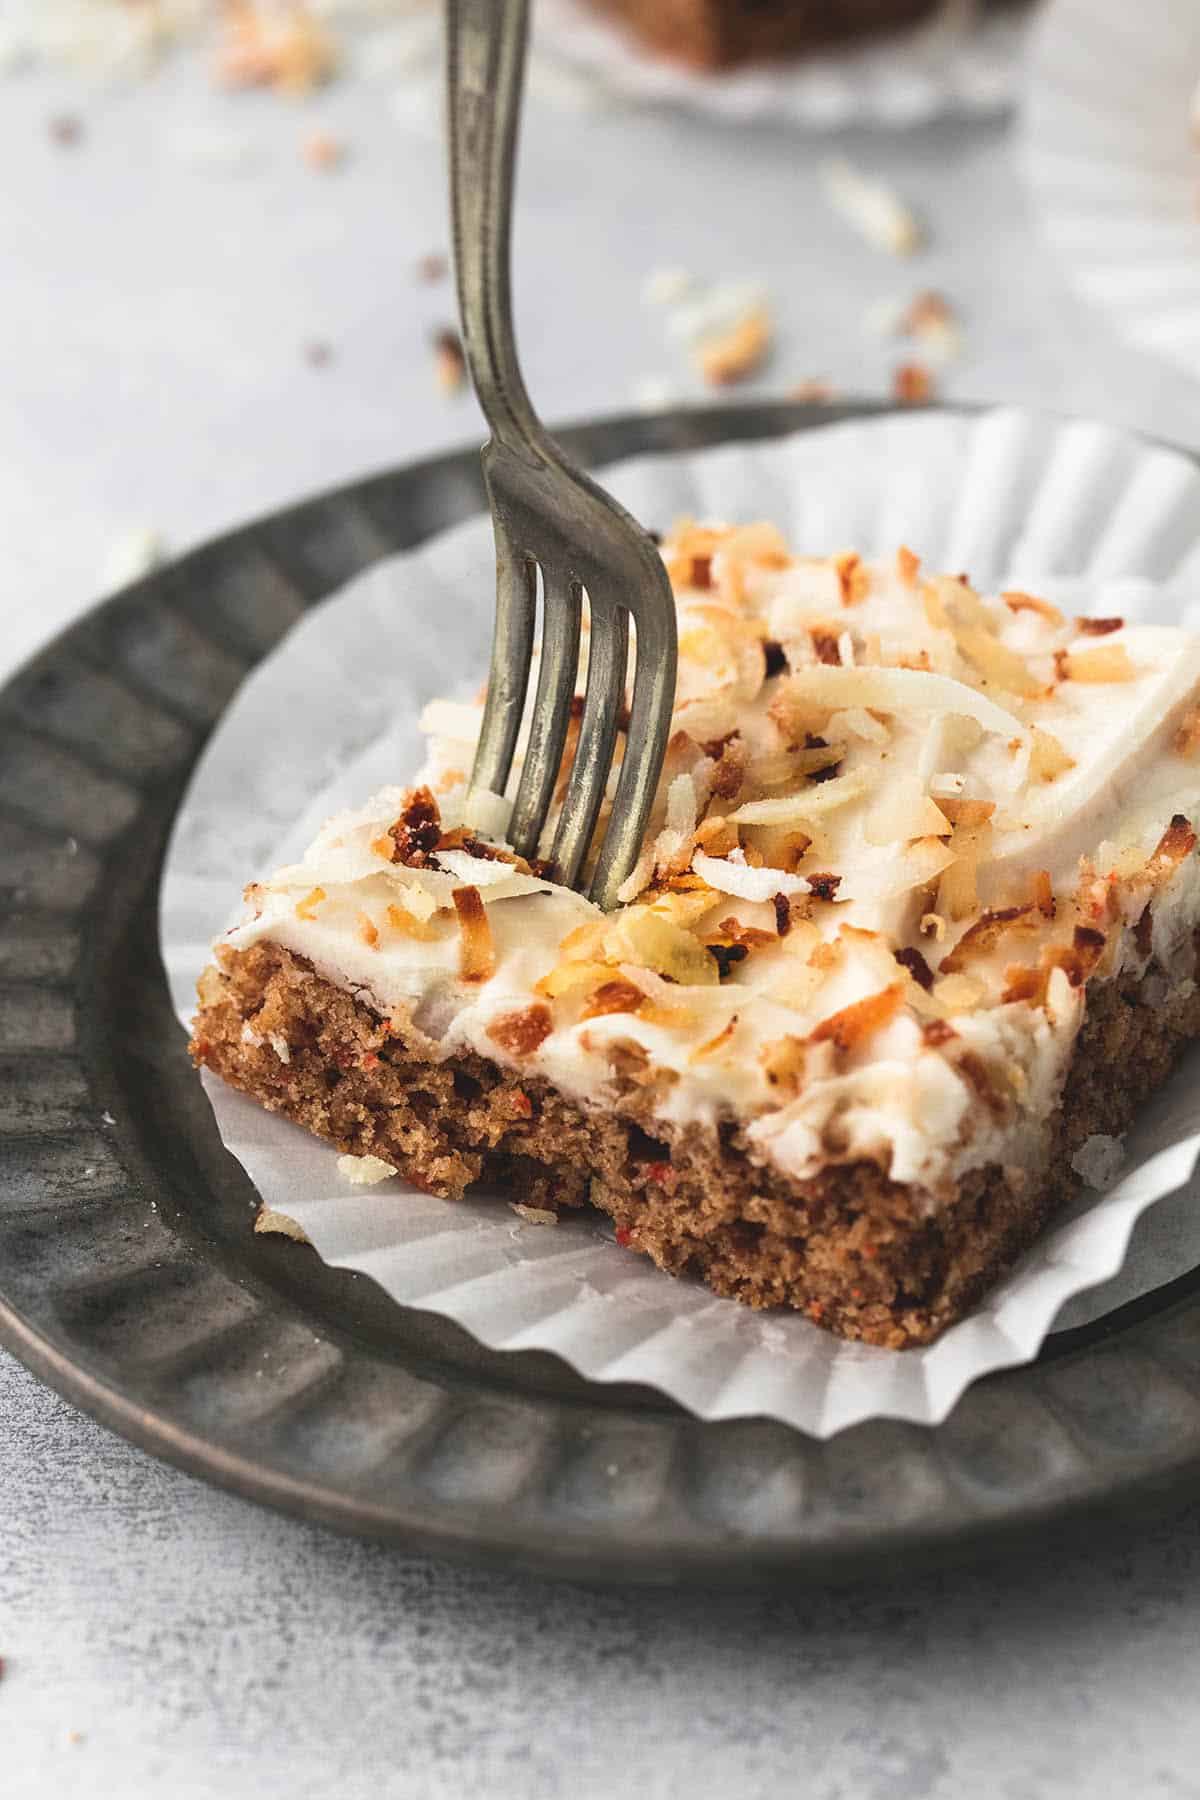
{"type": "Point", "coordinates": [645, 744]}
{"type": "Point", "coordinates": [508, 678]}
{"type": "Point", "coordinates": [608, 659]}
{"type": "Point", "coordinates": [563, 604]}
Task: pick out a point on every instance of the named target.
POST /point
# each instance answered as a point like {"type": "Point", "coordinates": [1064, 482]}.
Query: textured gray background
{"type": "Point", "coordinates": [162, 1638]}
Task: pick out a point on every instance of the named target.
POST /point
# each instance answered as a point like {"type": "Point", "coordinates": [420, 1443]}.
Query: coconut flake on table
{"type": "Point", "coordinates": [875, 210]}
{"type": "Point", "coordinates": [667, 287]}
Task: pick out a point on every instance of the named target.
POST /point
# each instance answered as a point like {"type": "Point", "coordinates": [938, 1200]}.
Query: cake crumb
{"type": "Point", "coordinates": [912, 384]}
{"type": "Point", "coordinates": [534, 1215]}
{"type": "Point", "coordinates": [432, 268]}
{"type": "Point", "coordinates": [66, 130]}
{"type": "Point", "coordinates": [449, 363]}
{"type": "Point", "coordinates": [813, 392]}
{"type": "Point", "coordinates": [364, 1171]}
{"type": "Point", "coordinates": [270, 1223]}
{"type": "Point", "coordinates": [321, 150]}
{"type": "Point", "coordinates": [1098, 1160]}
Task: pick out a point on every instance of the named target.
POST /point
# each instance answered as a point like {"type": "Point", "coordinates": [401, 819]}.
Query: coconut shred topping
{"type": "Point", "coordinates": [900, 831]}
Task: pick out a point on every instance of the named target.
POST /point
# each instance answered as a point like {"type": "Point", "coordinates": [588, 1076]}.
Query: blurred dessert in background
{"type": "Point", "coordinates": [720, 34]}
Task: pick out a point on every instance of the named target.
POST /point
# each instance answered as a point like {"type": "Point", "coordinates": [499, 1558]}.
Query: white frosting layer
{"type": "Point", "coordinates": [1002, 708]}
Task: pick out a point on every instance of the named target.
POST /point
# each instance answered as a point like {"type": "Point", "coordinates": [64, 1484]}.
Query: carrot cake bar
{"type": "Point", "coordinates": [916, 917]}
{"type": "Point", "coordinates": [714, 34]}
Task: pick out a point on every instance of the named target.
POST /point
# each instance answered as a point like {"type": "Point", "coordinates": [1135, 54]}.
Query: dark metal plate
{"type": "Point", "coordinates": [129, 1277]}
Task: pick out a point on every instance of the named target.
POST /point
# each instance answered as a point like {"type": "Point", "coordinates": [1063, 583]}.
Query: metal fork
{"type": "Point", "coordinates": [548, 515]}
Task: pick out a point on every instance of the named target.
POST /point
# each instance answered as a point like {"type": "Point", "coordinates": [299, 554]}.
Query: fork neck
{"type": "Point", "coordinates": [485, 66]}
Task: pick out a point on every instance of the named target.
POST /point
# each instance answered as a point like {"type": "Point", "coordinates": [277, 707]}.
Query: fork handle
{"type": "Point", "coordinates": [485, 66]}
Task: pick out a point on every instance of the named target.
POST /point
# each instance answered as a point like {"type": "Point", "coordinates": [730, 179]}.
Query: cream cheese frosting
{"type": "Point", "coordinates": [900, 830]}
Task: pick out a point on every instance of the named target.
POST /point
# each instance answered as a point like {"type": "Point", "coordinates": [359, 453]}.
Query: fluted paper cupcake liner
{"type": "Point", "coordinates": [961, 61]}
{"type": "Point", "coordinates": [1096, 520]}
{"type": "Point", "coordinates": [1114, 163]}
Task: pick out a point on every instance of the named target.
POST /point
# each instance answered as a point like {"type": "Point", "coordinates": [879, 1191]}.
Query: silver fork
{"type": "Point", "coordinates": [548, 515]}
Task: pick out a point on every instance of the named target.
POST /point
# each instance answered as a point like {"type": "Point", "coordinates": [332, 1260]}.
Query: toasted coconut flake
{"type": "Point", "coordinates": [1098, 627]}
{"type": "Point", "coordinates": [899, 691]}
{"type": "Point", "coordinates": [860, 1020]}
{"type": "Point", "coordinates": [1106, 663]}
{"type": "Point", "coordinates": [947, 786]}
{"type": "Point", "coordinates": [522, 1033]}
{"type": "Point", "coordinates": [958, 993]}
{"type": "Point", "coordinates": [367, 930]}
{"type": "Point", "coordinates": [986, 932]}
{"type": "Point", "coordinates": [937, 1033]}
{"type": "Point", "coordinates": [1187, 738]}
{"type": "Point", "coordinates": [735, 353]}
{"type": "Point", "coordinates": [614, 995]}
{"type": "Point", "coordinates": [810, 803]}
{"type": "Point", "coordinates": [752, 936]}
{"type": "Point", "coordinates": [934, 925]}
{"type": "Point", "coordinates": [1024, 985]}
{"type": "Point", "coordinates": [730, 770]}
{"type": "Point", "coordinates": [653, 941]}
{"type": "Point", "coordinates": [1047, 757]}
{"type": "Point", "coordinates": [477, 956]}
{"type": "Point", "coordinates": [1176, 843]}
{"type": "Point", "coordinates": [856, 721]}
{"type": "Point", "coordinates": [684, 907]}
{"type": "Point", "coordinates": [1043, 894]}
{"type": "Point", "coordinates": [908, 566]}
{"type": "Point", "coordinates": [853, 580]}
{"type": "Point", "coordinates": [745, 882]}
{"type": "Point", "coordinates": [1079, 958]}
{"type": "Point", "coordinates": [306, 908]}
{"type": "Point", "coordinates": [958, 896]}
{"type": "Point", "coordinates": [638, 878]}
{"type": "Point", "coordinates": [715, 837]}
{"type": "Point", "coordinates": [783, 1062]}
{"type": "Point", "coordinates": [967, 813]}
{"type": "Point", "coordinates": [567, 977]}
{"type": "Point", "coordinates": [995, 662]}
{"type": "Point", "coordinates": [1018, 602]}
{"type": "Point", "coordinates": [714, 1045]}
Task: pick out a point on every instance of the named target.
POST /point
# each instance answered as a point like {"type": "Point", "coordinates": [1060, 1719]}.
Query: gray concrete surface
{"type": "Point", "coordinates": [154, 316]}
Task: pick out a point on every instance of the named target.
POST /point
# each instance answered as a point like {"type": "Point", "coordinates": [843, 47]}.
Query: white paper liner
{"type": "Point", "coordinates": [1113, 166]}
{"type": "Point", "coordinates": [1089, 516]}
{"type": "Point", "coordinates": [959, 62]}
